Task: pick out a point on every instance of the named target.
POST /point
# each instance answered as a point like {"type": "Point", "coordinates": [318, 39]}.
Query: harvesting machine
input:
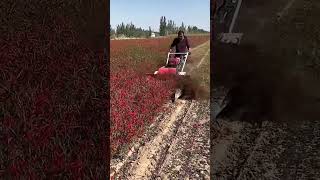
{"type": "Point", "coordinates": [174, 68]}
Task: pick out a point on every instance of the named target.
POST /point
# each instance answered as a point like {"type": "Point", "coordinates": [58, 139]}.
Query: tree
{"type": "Point", "coordinates": [112, 32]}
{"type": "Point", "coordinates": [130, 30]}
{"type": "Point", "coordinates": [121, 29]}
{"type": "Point", "coordinates": [163, 26]}
{"type": "Point", "coordinates": [189, 29]}
{"type": "Point", "coordinates": [182, 27]}
{"type": "Point", "coordinates": [150, 32]}
{"type": "Point", "coordinates": [171, 27]}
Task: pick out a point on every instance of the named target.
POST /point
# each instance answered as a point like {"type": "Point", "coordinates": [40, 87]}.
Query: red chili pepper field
{"type": "Point", "coordinates": [51, 97]}
{"type": "Point", "coordinates": [135, 98]}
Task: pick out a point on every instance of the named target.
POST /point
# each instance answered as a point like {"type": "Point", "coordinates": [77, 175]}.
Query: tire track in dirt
{"type": "Point", "coordinates": [200, 46]}
{"type": "Point", "coordinates": [188, 156]}
{"type": "Point", "coordinates": [149, 157]}
{"type": "Point", "coordinates": [201, 61]}
{"type": "Point", "coordinates": [230, 149]}
{"type": "Point", "coordinates": [283, 150]}
{"type": "Point", "coordinates": [153, 152]}
{"type": "Point", "coordinates": [200, 51]}
{"type": "Point", "coordinates": [288, 150]}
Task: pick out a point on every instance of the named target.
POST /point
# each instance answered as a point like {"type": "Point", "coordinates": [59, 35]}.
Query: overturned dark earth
{"type": "Point", "coordinates": [269, 127]}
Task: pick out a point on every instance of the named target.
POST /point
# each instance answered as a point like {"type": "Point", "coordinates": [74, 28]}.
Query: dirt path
{"type": "Point", "coordinates": [176, 145]}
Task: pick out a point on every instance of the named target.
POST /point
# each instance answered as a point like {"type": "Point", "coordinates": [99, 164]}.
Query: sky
{"type": "Point", "coordinates": [145, 13]}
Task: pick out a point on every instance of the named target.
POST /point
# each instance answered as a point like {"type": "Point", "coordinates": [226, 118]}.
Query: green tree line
{"type": "Point", "coordinates": [129, 30]}
{"type": "Point", "coordinates": [170, 27]}
{"type": "Point", "coordinates": [165, 28]}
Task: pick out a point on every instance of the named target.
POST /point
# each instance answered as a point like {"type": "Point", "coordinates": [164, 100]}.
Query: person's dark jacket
{"type": "Point", "coordinates": [181, 46]}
